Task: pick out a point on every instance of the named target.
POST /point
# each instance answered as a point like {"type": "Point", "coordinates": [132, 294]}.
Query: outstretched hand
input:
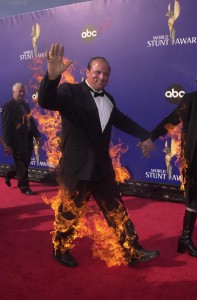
{"type": "Point", "coordinates": [55, 63]}
{"type": "Point", "coordinates": [8, 150]}
{"type": "Point", "coordinates": [146, 147]}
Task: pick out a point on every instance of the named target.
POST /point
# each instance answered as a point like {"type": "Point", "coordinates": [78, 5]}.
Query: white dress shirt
{"type": "Point", "coordinates": [104, 106]}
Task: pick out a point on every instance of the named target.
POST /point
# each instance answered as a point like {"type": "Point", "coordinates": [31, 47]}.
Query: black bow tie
{"type": "Point", "coordinates": [97, 94]}
{"type": "Point", "coordinates": [101, 94]}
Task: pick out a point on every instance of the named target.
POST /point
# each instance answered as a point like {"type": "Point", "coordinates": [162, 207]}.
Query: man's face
{"type": "Point", "coordinates": [18, 93]}
{"type": "Point", "coordinates": [98, 75]}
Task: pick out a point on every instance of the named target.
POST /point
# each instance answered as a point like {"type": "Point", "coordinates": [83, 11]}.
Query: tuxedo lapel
{"type": "Point", "coordinates": [90, 106]}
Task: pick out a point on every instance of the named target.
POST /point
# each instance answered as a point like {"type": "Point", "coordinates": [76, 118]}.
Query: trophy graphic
{"type": "Point", "coordinates": [36, 150]}
{"type": "Point", "coordinates": [172, 17]}
{"type": "Point", "coordinates": [170, 152]}
{"type": "Point", "coordinates": [35, 34]}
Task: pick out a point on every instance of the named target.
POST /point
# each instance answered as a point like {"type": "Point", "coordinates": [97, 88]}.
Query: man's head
{"type": "Point", "coordinates": [98, 72]}
{"type": "Point", "coordinates": [18, 91]}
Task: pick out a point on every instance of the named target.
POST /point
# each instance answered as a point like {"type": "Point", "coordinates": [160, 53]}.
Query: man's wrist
{"type": "Point", "coordinates": [52, 77]}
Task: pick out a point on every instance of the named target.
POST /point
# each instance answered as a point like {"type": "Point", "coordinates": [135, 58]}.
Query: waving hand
{"type": "Point", "coordinates": [55, 63]}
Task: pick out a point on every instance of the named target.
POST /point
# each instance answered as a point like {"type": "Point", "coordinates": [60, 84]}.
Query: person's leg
{"type": "Point", "coordinates": [185, 243]}
{"type": "Point", "coordinates": [66, 220]}
{"type": "Point", "coordinates": [22, 161]}
{"type": "Point", "coordinates": [11, 173]}
{"type": "Point", "coordinates": [107, 195]}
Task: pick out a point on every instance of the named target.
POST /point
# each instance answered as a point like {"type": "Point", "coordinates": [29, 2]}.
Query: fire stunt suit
{"type": "Point", "coordinates": [186, 112]}
{"type": "Point", "coordinates": [86, 167]}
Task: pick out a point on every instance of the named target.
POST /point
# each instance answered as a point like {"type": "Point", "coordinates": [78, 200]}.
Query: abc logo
{"type": "Point", "coordinates": [89, 33]}
{"type": "Point", "coordinates": [174, 93]}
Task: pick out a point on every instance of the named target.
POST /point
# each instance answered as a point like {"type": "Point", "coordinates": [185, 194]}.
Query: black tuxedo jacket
{"type": "Point", "coordinates": [85, 148]}
{"type": "Point", "coordinates": [16, 133]}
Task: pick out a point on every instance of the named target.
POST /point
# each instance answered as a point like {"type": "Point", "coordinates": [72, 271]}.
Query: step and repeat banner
{"type": "Point", "coordinates": [152, 49]}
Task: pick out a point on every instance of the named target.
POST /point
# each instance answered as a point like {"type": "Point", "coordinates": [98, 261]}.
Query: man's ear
{"type": "Point", "coordinates": [87, 72]}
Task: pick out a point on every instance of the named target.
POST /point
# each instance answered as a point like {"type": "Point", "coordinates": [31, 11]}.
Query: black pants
{"type": "Point", "coordinates": [108, 198]}
{"type": "Point", "coordinates": [191, 184]}
{"type": "Point", "coordinates": [11, 172]}
{"type": "Point", "coordinates": [22, 161]}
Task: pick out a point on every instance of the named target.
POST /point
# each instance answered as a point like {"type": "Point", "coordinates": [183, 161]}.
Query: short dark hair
{"type": "Point", "coordinates": [97, 58]}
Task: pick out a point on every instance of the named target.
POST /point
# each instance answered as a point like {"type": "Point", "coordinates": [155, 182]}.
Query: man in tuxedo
{"type": "Point", "coordinates": [19, 128]}
{"type": "Point", "coordinates": [88, 113]}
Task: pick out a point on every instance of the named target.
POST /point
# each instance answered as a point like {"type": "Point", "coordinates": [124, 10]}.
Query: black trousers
{"type": "Point", "coordinates": [22, 161]}
{"type": "Point", "coordinates": [108, 198]}
{"type": "Point", "coordinates": [11, 172]}
{"type": "Point", "coordinates": [191, 184]}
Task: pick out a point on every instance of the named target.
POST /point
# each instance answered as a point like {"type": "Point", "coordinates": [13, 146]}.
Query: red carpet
{"type": "Point", "coordinates": [27, 270]}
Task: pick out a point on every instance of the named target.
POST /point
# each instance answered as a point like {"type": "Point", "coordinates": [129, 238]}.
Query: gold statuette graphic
{"type": "Point", "coordinates": [35, 34]}
{"type": "Point", "coordinates": [170, 152]}
{"type": "Point", "coordinates": [36, 150]}
{"type": "Point", "coordinates": [172, 17]}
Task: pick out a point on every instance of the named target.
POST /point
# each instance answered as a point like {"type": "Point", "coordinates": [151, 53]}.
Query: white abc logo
{"type": "Point", "coordinates": [174, 94]}
{"type": "Point", "coordinates": [88, 34]}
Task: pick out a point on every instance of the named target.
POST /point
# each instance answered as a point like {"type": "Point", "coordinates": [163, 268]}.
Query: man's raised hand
{"type": "Point", "coordinates": [55, 64]}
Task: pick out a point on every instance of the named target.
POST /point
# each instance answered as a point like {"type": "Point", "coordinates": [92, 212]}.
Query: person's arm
{"type": "Point", "coordinates": [173, 118]}
{"type": "Point", "coordinates": [126, 124]}
{"type": "Point", "coordinates": [146, 146]}
{"type": "Point", "coordinates": [7, 126]}
{"type": "Point", "coordinates": [129, 126]}
{"type": "Point", "coordinates": [47, 94]}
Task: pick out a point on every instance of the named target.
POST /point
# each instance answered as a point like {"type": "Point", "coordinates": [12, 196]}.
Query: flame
{"type": "Point", "coordinates": [49, 123]}
{"type": "Point", "coordinates": [115, 151]}
{"type": "Point", "coordinates": [93, 225]}
{"type": "Point", "coordinates": [38, 71]}
{"type": "Point", "coordinates": [175, 133]}
{"type": "Point", "coordinates": [91, 221]}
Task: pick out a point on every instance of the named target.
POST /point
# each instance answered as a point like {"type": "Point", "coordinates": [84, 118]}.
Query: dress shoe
{"type": "Point", "coordinates": [142, 255]}
{"type": "Point", "coordinates": [7, 181]}
{"type": "Point", "coordinates": [27, 191]}
{"type": "Point", "coordinates": [65, 259]}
